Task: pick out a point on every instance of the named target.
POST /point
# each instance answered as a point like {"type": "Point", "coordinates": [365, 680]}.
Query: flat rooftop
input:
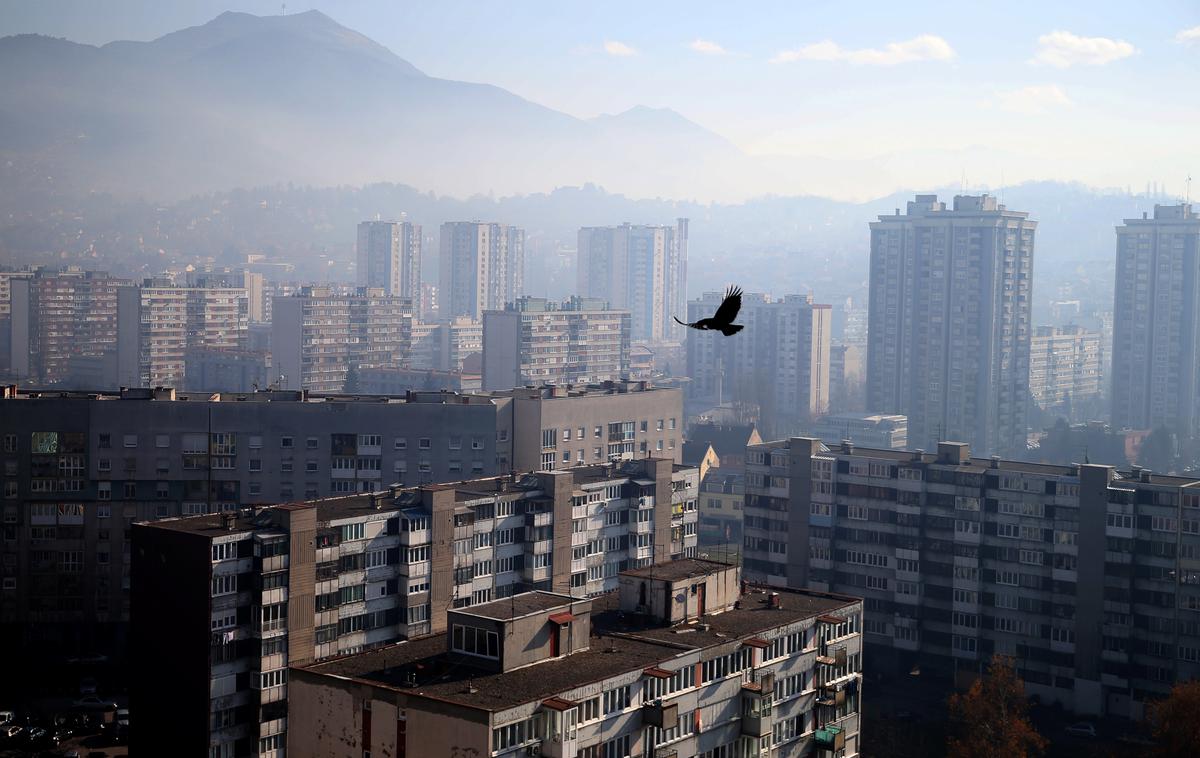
{"type": "Point", "coordinates": [348, 506]}
{"type": "Point", "coordinates": [619, 644]}
{"type": "Point", "coordinates": [684, 568]}
{"type": "Point", "coordinates": [520, 605]}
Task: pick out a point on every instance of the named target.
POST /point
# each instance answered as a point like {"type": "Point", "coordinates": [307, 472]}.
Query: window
{"type": "Point", "coordinates": [225, 584]}
{"type": "Point", "coordinates": [425, 443]}
{"type": "Point", "coordinates": [130, 440]}
{"type": "Point", "coordinates": [616, 700]}
{"type": "Point", "coordinates": [104, 490]}
{"type": "Point", "coordinates": [310, 443]}
{"type": "Point", "coordinates": [223, 551]}
{"type": "Point", "coordinates": [1121, 520]}
{"type": "Point", "coordinates": [256, 441]}
{"type": "Point", "coordinates": [287, 443]}
{"type": "Point", "coordinates": [472, 641]}
{"type": "Point", "coordinates": [400, 443]}
{"type": "Point", "coordinates": [162, 440]}
{"type": "Point", "coordinates": [418, 613]}
{"type": "Point", "coordinates": [267, 679]}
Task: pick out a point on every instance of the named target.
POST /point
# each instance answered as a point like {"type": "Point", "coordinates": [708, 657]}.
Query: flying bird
{"type": "Point", "coordinates": [722, 320]}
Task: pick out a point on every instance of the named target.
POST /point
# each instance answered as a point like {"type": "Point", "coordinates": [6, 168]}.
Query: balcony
{"type": "Point", "coordinates": [756, 711]}
{"type": "Point", "coordinates": [661, 715]}
{"type": "Point", "coordinates": [830, 738]}
{"type": "Point", "coordinates": [543, 518]}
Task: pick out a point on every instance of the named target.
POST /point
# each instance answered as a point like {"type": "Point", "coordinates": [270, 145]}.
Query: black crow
{"type": "Point", "coordinates": [722, 320]}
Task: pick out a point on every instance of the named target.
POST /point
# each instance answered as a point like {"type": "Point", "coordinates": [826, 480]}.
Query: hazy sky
{"type": "Point", "coordinates": [1102, 92]}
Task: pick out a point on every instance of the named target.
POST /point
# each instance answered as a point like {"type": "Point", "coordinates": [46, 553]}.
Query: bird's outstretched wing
{"type": "Point", "coordinates": [729, 306]}
{"type": "Point", "coordinates": [682, 323]}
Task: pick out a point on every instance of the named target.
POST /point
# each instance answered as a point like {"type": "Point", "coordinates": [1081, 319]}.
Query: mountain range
{"type": "Point", "coordinates": [246, 101]}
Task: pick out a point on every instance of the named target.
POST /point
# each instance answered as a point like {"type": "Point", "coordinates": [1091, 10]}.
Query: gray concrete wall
{"type": "Point", "coordinates": [501, 350]}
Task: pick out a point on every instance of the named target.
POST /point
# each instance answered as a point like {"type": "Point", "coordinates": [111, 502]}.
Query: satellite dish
{"type": "Point", "coordinates": [681, 597]}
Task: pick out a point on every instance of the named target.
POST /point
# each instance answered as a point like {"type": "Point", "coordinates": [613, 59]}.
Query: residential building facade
{"type": "Point", "coordinates": [535, 341]}
{"type": "Point", "coordinates": [447, 345]}
{"type": "Point", "coordinates": [79, 468]}
{"type": "Point", "coordinates": [641, 269]}
{"type": "Point", "coordinates": [863, 429]}
{"type": "Point", "coordinates": [482, 267]}
{"type": "Point", "coordinates": [1088, 576]}
{"type": "Point", "coordinates": [226, 370]}
{"type": "Point", "coordinates": [157, 323]}
{"type": "Point", "coordinates": [779, 364]}
{"type": "Point", "coordinates": [389, 256]}
{"type": "Point", "coordinates": [317, 335]}
{"type": "Point", "coordinates": [563, 426]}
{"type": "Point", "coordinates": [760, 674]}
{"type": "Point", "coordinates": [1156, 322]}
{"type": "Point", "coordinates": [949, 321]}
{"type": "Point", "coordinates": [265, 589]}
{"type": "Point", "coordinates": [1065, 369]}
{"type": "Point", "coordinates": [57, 315]}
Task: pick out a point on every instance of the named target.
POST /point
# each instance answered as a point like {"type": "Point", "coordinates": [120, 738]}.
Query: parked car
{"type": "Point", "coordinates": [87, 686]}
{"type": "Point", "coordinates": [95, 703]}
{"type": "Point", "coordinates": [1082, 729]}
{"type": "Point", "coordinates": [39, 737]}
{"type": "Point", "coordinates": [7, 717]}
{"type": "Point", "coordinates": [12, 733]}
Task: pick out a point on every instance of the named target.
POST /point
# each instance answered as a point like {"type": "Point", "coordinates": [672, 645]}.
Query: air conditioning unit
{"type": "Point", "coordinates": [534, 749]}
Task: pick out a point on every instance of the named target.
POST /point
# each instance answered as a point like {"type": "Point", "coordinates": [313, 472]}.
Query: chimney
{"type": "Point", "coordinates": [1146, 474]}
{"type": "Point", "coordinates": [228, 520]}
{"type": "Point", "coordinates": [995, 461]}
{"type": "Point", "coordinates": [847, 447]}
{"type": "Point", "coordinates": [774, 601]}
{"type": "Point", "coordinates": [918, 454]}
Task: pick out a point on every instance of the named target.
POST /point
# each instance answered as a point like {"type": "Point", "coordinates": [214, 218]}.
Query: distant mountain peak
{"type": "Point", "coordinates": [310, 28]}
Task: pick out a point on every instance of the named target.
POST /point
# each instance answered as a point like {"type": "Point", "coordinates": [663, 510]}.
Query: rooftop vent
{"type": "Point", "coordinates": [995, 461]}
{"type": "Point", "coordinates": [228, 520]}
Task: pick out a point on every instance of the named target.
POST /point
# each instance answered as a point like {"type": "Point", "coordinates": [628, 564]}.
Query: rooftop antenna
{"type": "Point", "coordinates": [283, 9]}
{"type": "Point", "coordinates": [1187, 194]}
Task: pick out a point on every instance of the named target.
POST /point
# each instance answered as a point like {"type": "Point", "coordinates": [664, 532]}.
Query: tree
{"type": "Point", "coordinates": [989, 720]}
{"type": "Point", "coordinates": [1176, 721]}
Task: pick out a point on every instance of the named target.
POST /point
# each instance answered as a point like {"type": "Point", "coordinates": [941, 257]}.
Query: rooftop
{"type": "Point", "coordinates": [684, 568]}
{"type": "Point", "coordinates": [982, 465]}
{"type": "Point", "coordinates": [621, 643]}
{"type": "Point", "coordinates": [519, 605]}
{"type": "Point", "coordinates": [168, 394]}
{"type": "Point", "coordinates": [400, 498]}
{"type": "Point", "coordinates": [726, 440]}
